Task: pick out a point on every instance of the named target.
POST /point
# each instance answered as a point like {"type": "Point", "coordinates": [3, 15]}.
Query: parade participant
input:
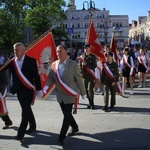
{"type": "Point", "coordinates": [127, 70]}
{"type": "Point", "coordinates": [26, 81]}
{"type": "Point", "coordinates": [143, 67]}
{"type": "Point", "coordinates": [65, 73]}
{"type": "Point", "coordinates": [109, 78]}
{"type": "Point", "coordinates": [98, 71]}
{"type": "Point", "coordinates": [3, 108]}
{"type": "Point", "coordinates": [87, 66]}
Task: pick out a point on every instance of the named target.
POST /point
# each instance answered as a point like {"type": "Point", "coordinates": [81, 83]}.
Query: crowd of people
{"type": "Point", "coordinates": [72, 71]}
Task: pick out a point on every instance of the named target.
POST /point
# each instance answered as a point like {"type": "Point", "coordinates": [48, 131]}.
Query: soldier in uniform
{"type": "Point", "coordinates": [87, 67]}
{"type": "Point", "coordinates": [109, 78]}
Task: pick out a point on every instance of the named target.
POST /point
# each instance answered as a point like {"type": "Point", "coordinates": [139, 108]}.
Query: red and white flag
{"type": "Point", "coordinates": [44, 51]}
{"type": "Point", "coordinates": [113, 47]}
{"type": "Point", "coordinates": [92, 39]}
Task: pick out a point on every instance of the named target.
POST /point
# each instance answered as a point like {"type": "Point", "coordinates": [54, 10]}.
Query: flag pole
{"type": "Point", "coordinates": [37, 39]}
{"type": "Point", "coordinates": [112, 36]}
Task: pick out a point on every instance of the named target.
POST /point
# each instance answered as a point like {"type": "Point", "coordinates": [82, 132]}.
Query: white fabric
{"type": "Point", "coordinates": [39, 94]}
{"type": "Point", "coordinates": [20, 62]}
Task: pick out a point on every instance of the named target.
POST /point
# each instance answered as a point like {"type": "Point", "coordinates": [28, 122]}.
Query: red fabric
{"type": "Point", "coordinates": [43, 50]}
{"type": "Point", "coordinates": [113, 48]}
{"type": "Point", "coordinates": [92, 39]}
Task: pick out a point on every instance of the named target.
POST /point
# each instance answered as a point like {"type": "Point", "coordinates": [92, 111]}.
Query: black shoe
{"type": "Point", "coordinates": [18, 138]}
{"type": "Point", "coordinates": [7, 126]}
{"type": "Point", "coordinates": [73, 132]}
{"type": "Point", "coordinates": [88, 106]}
{"type": "Point", "coordinates": [102, 93]}
{"type": "Point", "coordinates": [60, 142]}
{"type": "Point", "coordinates": [111, 107]}
{"type": "Point", "coordinates": [93, 107]}
{"type": "Point", "coordinates": [30, 130]}
{"type": "Point", "coordinates": [105, 108]}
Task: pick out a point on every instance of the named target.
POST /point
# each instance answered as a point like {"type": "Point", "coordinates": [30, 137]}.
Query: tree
{"type": "Point", "coordinates": [16, 15]}
{"type": "Point", "coordinates": [11, 22]}
{"type": "Point", "coordinates": [42, 14]}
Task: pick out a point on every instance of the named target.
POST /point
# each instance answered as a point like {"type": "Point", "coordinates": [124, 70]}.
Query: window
{"type": "Point", "coordinates": [117, 24]}
{"type": "Point", "coordinates": [76, 35]}
{"type": "Point", "coordinates": [75, 16]}
{"type": "Point", "coordinates": [76, 25]}
{"type": "Point", "coordinates": [64, 26]}
{"type": "Point", "coordinates": [86, 25]}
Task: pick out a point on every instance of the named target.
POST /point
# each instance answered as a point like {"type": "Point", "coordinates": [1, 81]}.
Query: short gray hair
{"type": "Point", "coordinates": [19, 44]}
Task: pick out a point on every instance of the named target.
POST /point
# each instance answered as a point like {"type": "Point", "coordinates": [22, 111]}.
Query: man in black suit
{"type": "Point", "coordinates": [26, 81]}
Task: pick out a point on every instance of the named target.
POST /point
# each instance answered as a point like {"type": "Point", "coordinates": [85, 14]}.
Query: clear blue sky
{"type": "Point", "coordinates": [132, 8]}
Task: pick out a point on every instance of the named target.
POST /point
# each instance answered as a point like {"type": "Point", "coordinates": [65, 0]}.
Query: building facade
{"type": "Point", "coordinates": [140, 30]}
{"type": "Point", "coordinates": [77, 22]}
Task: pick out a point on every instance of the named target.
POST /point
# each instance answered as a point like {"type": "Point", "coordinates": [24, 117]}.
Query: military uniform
{"type": "Point", "coordinates": [89, 80]}
{"type": "Point", "coordinates": [107, 81]}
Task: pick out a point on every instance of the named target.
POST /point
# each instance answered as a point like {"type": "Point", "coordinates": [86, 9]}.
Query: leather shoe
{"type": "Point", "coordinates": [105, 108]}
{"type": "Point", "coordinates": [7, 126]}
{"type": "Point", "coordinates": [18, 138]}
{"type": "Point", "coordinates": [73, 132]}
{"type": "Point", "coordinates": [88, 106]}
{"type": "Point", "coordinates": [60, 142]}
{"type": "Point", "coordinates": [30, 130]}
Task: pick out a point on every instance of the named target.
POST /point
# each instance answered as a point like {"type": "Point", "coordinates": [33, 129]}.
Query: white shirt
{"type": "Point", "coordinates": [20, 62]}
{"type": "Point", "coordinates": [61, 68]}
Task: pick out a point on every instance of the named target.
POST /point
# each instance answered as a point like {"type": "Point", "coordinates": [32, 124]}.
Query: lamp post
{"type": "Point", "coordinates": [90, 6]}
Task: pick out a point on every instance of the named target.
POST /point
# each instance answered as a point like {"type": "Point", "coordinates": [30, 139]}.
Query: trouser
{"type": "Point", "coordinates": [27, 114]}
{"type": "Point", "coordinates": [7, 120]}
{"type": "Point", "coordinates": [68, 120]}
{"type": "Point", "coordinates": [89, 86]}
{"type": "Point", "coordinates": [112, 89]}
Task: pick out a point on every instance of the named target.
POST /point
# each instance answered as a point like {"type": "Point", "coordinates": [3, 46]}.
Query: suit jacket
{"type": "Point", "coordinates": [71, 77]}
{"type": "Point", "coordinates": [3, 81]}
{"type": "Point", "coordinates": [30, 71]}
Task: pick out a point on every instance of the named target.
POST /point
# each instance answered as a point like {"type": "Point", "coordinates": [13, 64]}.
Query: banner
{"type": "Point", "coordinates": [113, 47]}
{"type": "Point", "coordinates": [92, 39]}
{"type": "Point", "coordinates": [44, 51]}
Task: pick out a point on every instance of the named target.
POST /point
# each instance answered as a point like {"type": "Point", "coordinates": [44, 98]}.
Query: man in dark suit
{"type": "Point", "coordinates": [65, 73]}
{"type": "Point", "coordinates": [26, 81]}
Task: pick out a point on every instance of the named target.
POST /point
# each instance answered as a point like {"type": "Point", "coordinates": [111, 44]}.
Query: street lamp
{"type": "Point", "coordinates": [90, 6]}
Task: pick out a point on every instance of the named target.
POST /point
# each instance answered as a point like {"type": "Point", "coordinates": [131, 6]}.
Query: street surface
{"type": "Point", "coordinates": [127, 127]}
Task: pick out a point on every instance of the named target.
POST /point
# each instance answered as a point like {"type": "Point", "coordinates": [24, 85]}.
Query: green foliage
{"type": "Point", "coordinates": [40, 15]}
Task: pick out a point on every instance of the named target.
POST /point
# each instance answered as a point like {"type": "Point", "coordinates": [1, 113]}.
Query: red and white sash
{"type": "Point", "coordinates": [128, 65]}
{"type": "Point", "coordinates": [90, 71]}
{"type": "Point", "coordinates": [111, 76]}
{"type": "Point", "coordinates": [22, 78]}
{"type": "Point", "coordinates": [3, 108]}
{"type": "Point", "coordinates": [142, 62]}
{"type": "Point", "coordinates": [64, 86]}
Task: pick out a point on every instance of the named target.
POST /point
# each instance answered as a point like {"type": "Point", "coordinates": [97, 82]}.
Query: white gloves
{"type": "Point", "coordinates": [39, 94]}
{"type": "Point", "coordinates": [45, 89]}
{"type": "Point", "coordinates": [84, 97]}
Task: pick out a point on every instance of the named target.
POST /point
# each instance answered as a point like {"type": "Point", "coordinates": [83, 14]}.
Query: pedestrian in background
{"type": "Point", "coordinates": [143, 67]}
{"type": "Point", "coordinates": [127, 70]}
{"type": "Point", "coordinates": [3, 107]}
